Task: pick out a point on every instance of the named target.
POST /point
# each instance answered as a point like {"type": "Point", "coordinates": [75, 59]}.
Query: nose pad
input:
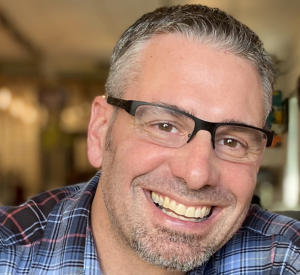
{"type": "Point", "coordinates": [191, 137]}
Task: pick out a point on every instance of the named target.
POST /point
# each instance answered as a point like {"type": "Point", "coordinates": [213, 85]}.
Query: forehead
{"type": "Point", "coordinates": [215, 84]}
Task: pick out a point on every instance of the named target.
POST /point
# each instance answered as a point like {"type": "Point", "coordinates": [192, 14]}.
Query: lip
{"type": "Point", "coordinates": [165, 220]}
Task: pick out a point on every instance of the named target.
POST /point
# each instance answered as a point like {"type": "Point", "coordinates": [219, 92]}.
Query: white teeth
{"type": "Point", "coordinates": [154, 197]}
{"type": "Point", "coordinates": [172, 205]}
{"type": "Point", "coordinates": [166, 202]}
{"type": "Point", "coordinates": [207, 211]}
{"type": "Point", "coordinates": [179, 210]}
{"type": "Point", "coordinates": [160, 200]}
{"type": "Point", "coordinates": [198, 213]}
{"type": "Point", "coordinates": [190, 212]}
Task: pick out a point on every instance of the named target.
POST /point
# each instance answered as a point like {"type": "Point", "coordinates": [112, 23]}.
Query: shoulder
{"type": "Point", "coordinates": [266, 243]}
{"type": "Point", "coordinates": [268, 224]}
{"type": "Point", "coordinates": [46, 230]}
{"type": "Point", "coordinates": [25, 223]}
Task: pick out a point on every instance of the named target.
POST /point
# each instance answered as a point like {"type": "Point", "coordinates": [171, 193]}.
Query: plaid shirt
{"type": "Point", "coordinates": [51, 234]}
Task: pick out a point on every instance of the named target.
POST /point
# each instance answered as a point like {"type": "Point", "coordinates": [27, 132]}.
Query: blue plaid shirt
{"type": "Point", "coordinates": [51, 234]}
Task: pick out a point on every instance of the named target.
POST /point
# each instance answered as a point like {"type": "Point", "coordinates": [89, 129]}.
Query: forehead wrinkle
{"type": "Point", "coordinates": [190, 112]}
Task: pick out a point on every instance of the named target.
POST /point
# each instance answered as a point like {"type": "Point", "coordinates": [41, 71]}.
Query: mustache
{"type": "Point", "coordinates": [178, 186]}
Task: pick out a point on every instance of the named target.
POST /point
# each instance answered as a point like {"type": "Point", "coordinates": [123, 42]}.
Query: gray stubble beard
{"type": "Point", "coordinates": [165, 248]}
{"type": "Point", "coordinates": [153, 249]}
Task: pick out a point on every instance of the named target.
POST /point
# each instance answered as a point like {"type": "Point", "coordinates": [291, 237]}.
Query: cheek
{"type": "Point", "coordinates": [140, 157]}
{"type": "Point", "coordinates": [131, 153]}
{"type": "Point", "coordinates": [130, 156]}
{"type": "Point", "coordinates": [240, 179]}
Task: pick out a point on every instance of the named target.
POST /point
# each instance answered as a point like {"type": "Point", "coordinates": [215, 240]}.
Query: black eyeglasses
{"type": "Point", "coordinates": [170, 127]}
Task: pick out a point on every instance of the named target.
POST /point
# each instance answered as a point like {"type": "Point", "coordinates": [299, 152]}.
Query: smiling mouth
{"type": "Point", "coordinates": [180, 211]}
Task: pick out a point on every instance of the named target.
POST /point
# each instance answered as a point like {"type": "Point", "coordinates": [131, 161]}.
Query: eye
{"type": "Point", "coordinates": [166, 127]}
{"type": "Point", "coordinates": [230, 142]}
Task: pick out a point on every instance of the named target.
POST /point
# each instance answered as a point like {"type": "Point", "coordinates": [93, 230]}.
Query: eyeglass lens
{"type": "Point", "coordinates": [170, 128]}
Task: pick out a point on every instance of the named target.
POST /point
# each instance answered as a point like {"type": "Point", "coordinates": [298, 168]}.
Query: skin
{"type": "Point", "coordinates": [214, 85]}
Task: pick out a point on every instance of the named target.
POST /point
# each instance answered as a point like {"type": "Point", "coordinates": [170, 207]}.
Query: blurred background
{"type": "Point", "coordinates": [54, 57]}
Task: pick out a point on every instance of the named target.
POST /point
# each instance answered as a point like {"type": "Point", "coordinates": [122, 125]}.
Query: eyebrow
{"type": "Point", "coordinates": [237, 122]}
{"type": "Point", "coordinates": [192, 113]}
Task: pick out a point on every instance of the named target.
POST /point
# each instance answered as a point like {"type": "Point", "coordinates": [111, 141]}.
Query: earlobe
{"type": "Point", "coordinates": [97, 130]}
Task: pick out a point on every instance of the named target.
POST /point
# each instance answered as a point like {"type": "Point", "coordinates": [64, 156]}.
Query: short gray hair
{"type": "Point", "coordinates": [208, 25]}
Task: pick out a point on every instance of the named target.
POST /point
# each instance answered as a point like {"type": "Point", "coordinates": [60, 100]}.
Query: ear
{"type": "Point", "coordinates": [99, 122]}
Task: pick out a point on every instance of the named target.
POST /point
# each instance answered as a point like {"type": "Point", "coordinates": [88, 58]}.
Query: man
{"type": "Point", "coordinates": [179, 140]}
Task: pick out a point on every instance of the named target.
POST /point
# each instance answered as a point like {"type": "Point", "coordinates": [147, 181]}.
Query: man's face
{"type": "Point", "coordinates": [213, 85]}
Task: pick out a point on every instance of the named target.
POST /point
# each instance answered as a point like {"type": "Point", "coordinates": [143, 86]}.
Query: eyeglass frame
{"type": "Point", "coordinates": [130, 107]}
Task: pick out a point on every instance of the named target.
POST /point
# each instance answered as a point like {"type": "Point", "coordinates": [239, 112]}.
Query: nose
{"type": "Point", "coordinates": [196, 162]}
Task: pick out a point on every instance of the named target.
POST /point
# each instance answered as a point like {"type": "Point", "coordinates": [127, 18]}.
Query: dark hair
{"type": "Point", "coordinates": [207, 25]}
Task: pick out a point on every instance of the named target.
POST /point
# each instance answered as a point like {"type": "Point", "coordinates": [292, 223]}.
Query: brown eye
{"type": "Point", "coordinates": [230, 142]}
{"type": "Point", "coordinates": [165, 127]}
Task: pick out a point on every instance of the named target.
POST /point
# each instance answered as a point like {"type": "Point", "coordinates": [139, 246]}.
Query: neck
{"type": "Point", "coordinates": [114, 254]}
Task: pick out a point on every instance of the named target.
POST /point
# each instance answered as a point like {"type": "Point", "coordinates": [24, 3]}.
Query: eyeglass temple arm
{"type": "Point", "coordinates": [120, 103]}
